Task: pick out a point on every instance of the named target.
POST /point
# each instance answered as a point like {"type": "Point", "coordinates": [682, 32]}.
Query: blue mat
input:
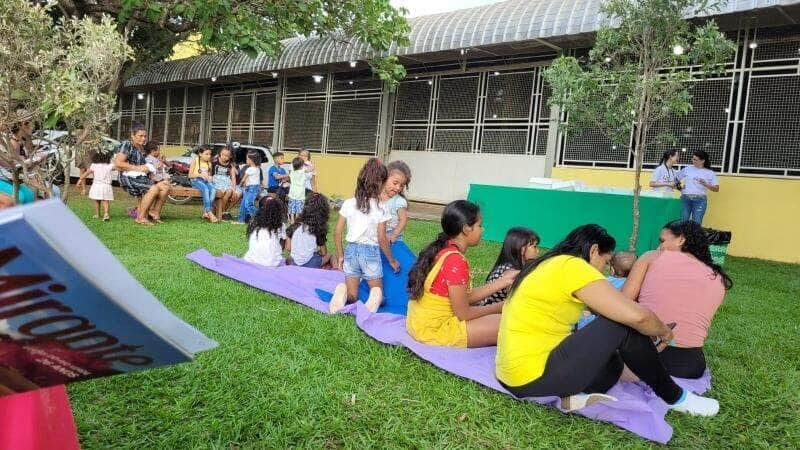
{"type": "Point", "coordinates": [394, 284]}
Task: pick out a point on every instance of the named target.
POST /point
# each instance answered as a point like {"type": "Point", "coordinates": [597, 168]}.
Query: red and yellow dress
{"type": "Point", "coordinates": [430, 319]}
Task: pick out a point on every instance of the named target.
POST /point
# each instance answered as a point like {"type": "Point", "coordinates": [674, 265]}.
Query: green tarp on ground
{"type": "Point", "coordinates": [553, 214]}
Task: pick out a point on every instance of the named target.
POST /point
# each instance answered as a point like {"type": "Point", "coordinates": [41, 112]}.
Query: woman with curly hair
{"type": "Point", "coordinates": [266, 233]}
{"type": "Point", "coordinates": [680, 283]}
{"type": "Point", "coordinates": [308, 236]}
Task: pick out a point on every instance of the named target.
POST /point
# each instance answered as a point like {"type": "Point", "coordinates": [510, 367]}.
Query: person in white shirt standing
{"type": "Point", "coordinates": [697, 179]}
{"type": "Point", "coordinates": [664, 178]}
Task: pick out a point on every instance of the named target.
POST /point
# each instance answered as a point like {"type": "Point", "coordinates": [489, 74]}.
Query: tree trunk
{"type": "Point", "coordinates": [16, 183]}
{"type": "Point", "coordinates": [639, 144]}
{"type": "Point", "coordinates": [67, 180]}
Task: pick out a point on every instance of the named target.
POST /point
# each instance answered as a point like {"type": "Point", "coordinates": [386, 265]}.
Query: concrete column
{"type": "Point", "coordinates": [277, 129]}
{"type": "Point", "coordinates": [385, 123]}
{"type": "Point", "coordinates": [552, 141]}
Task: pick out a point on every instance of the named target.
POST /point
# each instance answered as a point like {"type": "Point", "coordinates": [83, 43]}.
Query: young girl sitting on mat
{"type": "Point", "coordinates": [366, 219]}
{"type": "Point", "coordinates": [520, 246]}
{"type": "Point", "coordinates": [308, 235]}
{"type": "Point", "coordinates": [443, 308]}
{"type": "Point", "coordinates": [266, 233]}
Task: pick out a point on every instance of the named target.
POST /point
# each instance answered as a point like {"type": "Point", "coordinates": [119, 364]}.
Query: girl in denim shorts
{"type": "Point", "coordinates": [365, 217]}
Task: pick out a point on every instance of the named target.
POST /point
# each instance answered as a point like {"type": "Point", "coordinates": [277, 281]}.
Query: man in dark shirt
{"type": "Point", "coordinates": [134, 177]}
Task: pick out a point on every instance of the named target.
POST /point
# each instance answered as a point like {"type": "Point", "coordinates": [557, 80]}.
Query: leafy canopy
{"type": "Point", "coordinates": [152, 27]}
{"type": "Point", "coordinates": [55, 72]}
{"type": "Point", "coordinates": [640, 68]}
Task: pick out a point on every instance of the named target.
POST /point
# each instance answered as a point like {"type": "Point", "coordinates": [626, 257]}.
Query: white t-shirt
{"type": "Point", "coordinates": [664, 174]}
{"type": "Point", "coordinates": [311, 172]}
{"type": "Point", "coordinates": [691, 175]}
{"type": "Point", "coordinates": [363, 228]}
{"type": "Point", "coordinates": [253, 178]}
{"type": "Point", "coordinates": [304, 245]}
{"type": "Point", "coordinates": [265, 247]}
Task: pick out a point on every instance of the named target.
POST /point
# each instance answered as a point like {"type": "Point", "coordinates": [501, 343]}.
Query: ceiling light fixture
{"type": "Point", "coordinates": [317, 78]}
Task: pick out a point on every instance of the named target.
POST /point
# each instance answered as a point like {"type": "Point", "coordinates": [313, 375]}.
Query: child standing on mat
{"type": "Point", "coordinates": [443, 308]}
{"type": "Point", "coordinates": [308, 236]}
{"type": "Point", "coordinates": [397, 205]}
{"type": "Point", "coordinates": [365, 217]}
{"type": "Point", "coordinates": [520, 246]}
{"type": "Point", "coordinates": [297, 189]}
{"type": "Point", "coordinates": [252, 183]}
{"type": "Point", "coordinates": [101, 191]}
{"type": "Point", "coordinates": [266, 234]}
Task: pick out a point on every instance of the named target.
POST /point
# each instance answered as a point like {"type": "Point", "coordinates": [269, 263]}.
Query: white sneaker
{"type": "Point", "coordinates": [375, 299]}
{"type": "Point", "coordinates": [696, 405]}
{"type": "Point", "coordinates": [339, 298]}
{"type": "Point", "coordinates": [578, 401]}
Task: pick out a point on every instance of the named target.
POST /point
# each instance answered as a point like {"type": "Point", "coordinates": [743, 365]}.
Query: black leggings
{"type": "Point", "coordinates": [684, 362]}
{"type": "Point", "coordinates": [591, 360]}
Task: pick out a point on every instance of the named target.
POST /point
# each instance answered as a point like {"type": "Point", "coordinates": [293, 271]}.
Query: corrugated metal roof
{"type": "Point", "coordinates": [504, 22]}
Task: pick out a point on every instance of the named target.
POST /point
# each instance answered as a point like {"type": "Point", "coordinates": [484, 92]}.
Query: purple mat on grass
{"type": "Point", "coordinates": [638, 410]}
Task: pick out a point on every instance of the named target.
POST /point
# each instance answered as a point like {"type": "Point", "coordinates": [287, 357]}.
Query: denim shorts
{"type": "Point", "coordinates": [315, 262]}
{"type": "Point", "coordinates": [296, 206]}
{"type": "Point", "coordinates": [362, 261]}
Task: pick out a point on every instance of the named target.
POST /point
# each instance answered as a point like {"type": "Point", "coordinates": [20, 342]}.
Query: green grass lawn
{"type": "Point", "coordinates": [285, 375]}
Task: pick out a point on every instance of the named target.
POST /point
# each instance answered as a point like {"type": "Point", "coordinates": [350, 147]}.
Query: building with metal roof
{"type": "Point", "coordinates": [473, 109]}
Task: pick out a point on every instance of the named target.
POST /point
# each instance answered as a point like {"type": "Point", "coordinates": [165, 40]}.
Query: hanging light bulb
{"type": "Point", "coordinates": [274, 74]}
{"type": "Point", "coordinates": [140, 96]}
{"type": "Point", "coordinates": [213, 79]}
{"type": "Point", "coordinates": [430, 82]}
{"type": "Point", "coordinates": [353, 63]}
{"type": "Point", "coordinates": [607, 59]}
{"type": "Point", "coordinates": [753, 45]}
{"type": "Point", "coordinates": [677, 50]}
{"type": "Point", "coordinates": [496, 73]}
{"type": "Point", "coordinates": [317, 78]}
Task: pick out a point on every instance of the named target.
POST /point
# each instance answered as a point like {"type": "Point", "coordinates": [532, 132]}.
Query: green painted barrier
{"type": "Point", "coordinates": [554, 213]}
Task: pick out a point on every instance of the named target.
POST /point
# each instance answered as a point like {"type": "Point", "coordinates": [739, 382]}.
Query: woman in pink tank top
{"type": "Point", "coordinates": [681, 284]}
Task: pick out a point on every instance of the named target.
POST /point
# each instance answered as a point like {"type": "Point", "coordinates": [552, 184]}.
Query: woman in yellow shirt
{"type": "Point", "coordinates": [538, 354]}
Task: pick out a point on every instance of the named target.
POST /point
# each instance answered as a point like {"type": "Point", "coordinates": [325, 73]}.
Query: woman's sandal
{"type": "Point", "coordinates": [146, 223]}
{"type": "Point", "coordinates": [580, 401]}
{"type": "Point", "coordinates": [106, 218]}
{"type": "Point", "coordinates": [156, 219]}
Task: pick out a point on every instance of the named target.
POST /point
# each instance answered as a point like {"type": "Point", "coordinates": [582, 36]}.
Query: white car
{"type": "Point", "coordinates": [48, 141]}
{"type": "Point", "coordinates": [239, 157]}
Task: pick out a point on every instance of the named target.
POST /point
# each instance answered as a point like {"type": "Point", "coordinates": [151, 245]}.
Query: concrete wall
{"type": "Point", "coordinates": [442, 177]}
{"type": "Point", "coordinates": [762, 213]}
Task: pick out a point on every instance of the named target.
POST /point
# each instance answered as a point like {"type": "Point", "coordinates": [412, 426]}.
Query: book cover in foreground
{"type": "Point", "coordinates": [69, 311]}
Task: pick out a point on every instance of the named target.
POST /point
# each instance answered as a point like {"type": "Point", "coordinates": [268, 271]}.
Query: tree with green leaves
{"type": "Point", "coordinates": [638, 73]}
{"type": "Point", "coordinates": [54, 72]}
{"type": "Point", "coordinates": [153, 27]}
